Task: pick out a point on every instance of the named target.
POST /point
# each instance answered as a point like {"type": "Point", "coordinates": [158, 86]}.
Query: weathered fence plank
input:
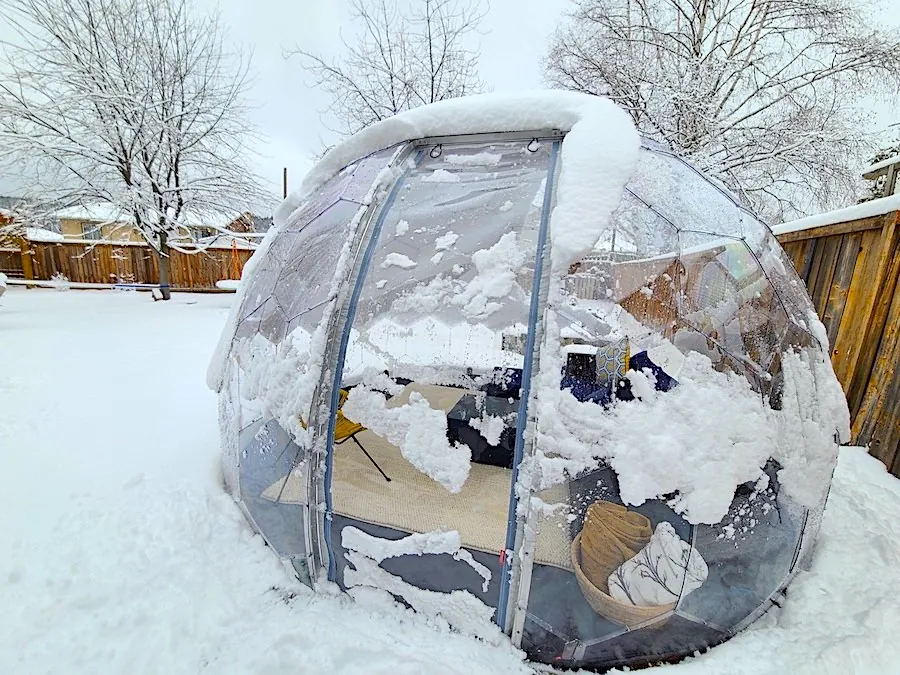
{"type": "Point", "coordinates": [11, 262]}
{"type": "Point", "coordinates": [852, 271]}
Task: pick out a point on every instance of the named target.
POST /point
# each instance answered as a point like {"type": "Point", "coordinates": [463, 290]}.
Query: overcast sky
{"type": "Point", "coordinates": [289, 111]}
{"type": "Point", "coordinates": [513, 40]}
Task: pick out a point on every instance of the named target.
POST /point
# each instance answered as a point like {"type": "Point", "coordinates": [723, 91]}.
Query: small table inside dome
{"type": "Point", "coordinates": [480, 407]}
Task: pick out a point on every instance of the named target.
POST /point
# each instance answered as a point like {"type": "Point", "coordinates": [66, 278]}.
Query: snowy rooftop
{"type": "Point", "coordinates": [112, 213]}
{"type": "Point", "coordinates": [878, 166]}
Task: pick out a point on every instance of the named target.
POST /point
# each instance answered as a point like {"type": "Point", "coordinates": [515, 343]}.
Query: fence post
{"type": "Point", "coordinates": [27, 260]}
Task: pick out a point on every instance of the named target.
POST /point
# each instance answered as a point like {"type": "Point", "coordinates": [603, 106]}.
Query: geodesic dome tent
{"type": "Point", "coordinates": [509, 363]}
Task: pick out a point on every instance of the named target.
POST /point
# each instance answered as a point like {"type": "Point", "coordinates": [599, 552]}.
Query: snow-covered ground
{"type": "Point", "coordinates": [121, 553]}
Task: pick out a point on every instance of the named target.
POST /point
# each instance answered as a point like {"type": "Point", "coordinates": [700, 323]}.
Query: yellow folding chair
{"type": "Point", "coordinates": [345, 430]}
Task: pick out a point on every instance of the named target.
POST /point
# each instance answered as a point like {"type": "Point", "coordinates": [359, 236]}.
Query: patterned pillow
{"type": "Point", "coordinates": [666, 569]}
{"type": "Point", "coordinates": [612, 362]}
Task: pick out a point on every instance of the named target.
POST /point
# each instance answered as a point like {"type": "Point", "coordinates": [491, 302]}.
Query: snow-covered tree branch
{"type": "Point", "coordinates": [138, 104]}
{"type": "Point", "coordinates": [399, 59]}
{"type": "Point", "coordinates": [763, 93]}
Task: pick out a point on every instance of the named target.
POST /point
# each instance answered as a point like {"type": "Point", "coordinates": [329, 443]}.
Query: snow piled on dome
{"type": "Point", "coordinates": [599, 153]}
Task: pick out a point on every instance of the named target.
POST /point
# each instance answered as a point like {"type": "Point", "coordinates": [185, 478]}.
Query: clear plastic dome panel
{"type": "Point", "coordinates": [682, 294]}
{"type": "Point", "coordinates": [353, 183]}
{"type": "Point", "coordinates": [750, 555]}
{"type": "Point", "coordinates": [307, 278]}
{"type": "Point", "coordinates": [727, 297]}
{"type": "Point", "coordinates": [289, 293]}
{"type": "Point", "coordinates": [432, 374]}
{"type": "Point", "coordinates": [580, 605]}
{"type": "Point", "coordinates": [273, 495]}
{"type": "Point", "coordinates": [789, 288]}
{"type": "Point", "coordinates": [637, 231]}
{"type": "Point", "coordinates": [684, 197]}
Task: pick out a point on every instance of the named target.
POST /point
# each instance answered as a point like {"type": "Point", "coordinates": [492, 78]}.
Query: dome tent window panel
{"type": "Point", "coordinates": [431, 372]}
{"type": "Point", "coordinates": [307, 275]}
{"type": "Point", "coordinates": [352, 183]}
{"type": "Point", "coordinates": [727, 297]}
{"type": "Point", "coordinates": [625, 446]}
{"type": "Point", "coordinates": [273, 324]}
{"type": "Point", "coordinates": [298, 275]}
{"type": "Point", "coordinates": [367, 171]}
{"type": "Point", "coordinates": [304, 266]}
{"type": "Point", "coordinates": [660, 180]}
{"type": "Point", "coordinates": [618, 573]}
{"type": "Point", "coordinates": [751, 554]}
{"type": "Point", "coordinates": [249, 325]}
{"type": "Point", "coordinates": [326, 208]}
{"type": "Point", "coordinates": [265, 275]}
{"type": "Point", "coordinates": [637, 232]}
{"type": "Point", "coordinates": [273, 488]}
{"type": "Point", "coordinates": [779, 269]}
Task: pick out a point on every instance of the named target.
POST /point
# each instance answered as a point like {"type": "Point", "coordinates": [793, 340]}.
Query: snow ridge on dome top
{"type": "Point", "coordinates": [599, 153]}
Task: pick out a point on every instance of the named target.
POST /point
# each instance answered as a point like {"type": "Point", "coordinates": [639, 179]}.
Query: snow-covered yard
{"type": "Point", "coordinates": [122, 554]}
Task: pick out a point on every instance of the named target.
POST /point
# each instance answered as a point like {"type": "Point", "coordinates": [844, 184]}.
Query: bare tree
{"type": "Point", "coordinates": [400, 59]}
{"type": "Point", "coordinates": [137, 104]}
{"type": "Point", "coordinates": [765, 94]}
{"type": "Point", "coordinates": [23, 214]}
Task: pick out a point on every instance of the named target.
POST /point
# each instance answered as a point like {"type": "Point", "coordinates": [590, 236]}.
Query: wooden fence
{"type": "Point", "coordinates": [11, 262]}
{"type": "Point", "coordinates": [111, 263]}
{"type": "Point", "coordinates": [851, 270]}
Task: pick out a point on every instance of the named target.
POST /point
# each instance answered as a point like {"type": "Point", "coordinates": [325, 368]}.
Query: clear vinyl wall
{"type": "Point", "coordinates": [430, 348]}
{"type": "Point", "coordinates": [689, 291]}
{"type": "Point", "coordinates": [432, 370]}
{"type": "Point", "coordinates": [291, 292]}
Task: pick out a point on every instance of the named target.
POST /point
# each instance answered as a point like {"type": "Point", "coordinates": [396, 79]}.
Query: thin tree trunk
{"type": "Point", "coordinates": [162, 258]}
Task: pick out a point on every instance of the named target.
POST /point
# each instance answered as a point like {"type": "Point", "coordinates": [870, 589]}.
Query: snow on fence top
{"type": "Point", "coordinates": [112, 213]}
{"type": "Point", "coordinates": [223, 241]}
{"type": "Point", "coordinates": [875, 207]}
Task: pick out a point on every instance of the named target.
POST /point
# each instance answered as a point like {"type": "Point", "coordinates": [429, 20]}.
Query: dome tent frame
{"type": "Point", "coordinates": [511, 606]}
{"type": "Point", "coordinates": [321, 554]}
{"type": "Point", "coordinates": [321, 550]}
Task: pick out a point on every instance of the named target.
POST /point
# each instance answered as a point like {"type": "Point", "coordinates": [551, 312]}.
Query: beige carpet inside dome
{"type": "Point", "coordinates": [413, 502]}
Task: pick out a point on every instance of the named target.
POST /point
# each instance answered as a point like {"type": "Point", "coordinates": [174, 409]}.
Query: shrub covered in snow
{"type": "Point", "coordinates": [639, 475]}
{"type": "Point", "coordinates": [60, 282]}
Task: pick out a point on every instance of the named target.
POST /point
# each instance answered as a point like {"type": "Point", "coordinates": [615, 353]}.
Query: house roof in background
{"type": "Point", "coordinates": [261, 223]}
{"type": "Point", "coordinates": [111, 213]}
{"type": "Point", "coordinates": [877, 168]}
